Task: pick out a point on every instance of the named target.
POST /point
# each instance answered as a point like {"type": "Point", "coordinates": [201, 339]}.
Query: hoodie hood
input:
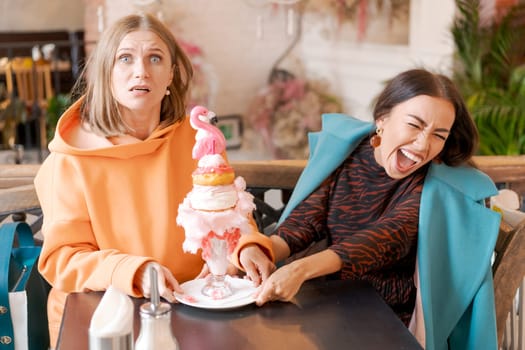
{"type": "Point", "coordinates": [73, 139]}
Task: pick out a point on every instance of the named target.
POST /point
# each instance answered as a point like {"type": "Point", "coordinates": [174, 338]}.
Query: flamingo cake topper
{"type": "Point", "coordinates": [209, 139]}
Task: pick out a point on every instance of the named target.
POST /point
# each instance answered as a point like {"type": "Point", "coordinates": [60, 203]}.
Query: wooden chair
{"type": "Point", "coordinates": [34, 88]}
{"type": "Point", "coordinates": [18, 199]}
{"type": "Point", "coordinates": [271, 183]}
{"type": "Point", "coordinates": [5, 101]}
{"type": "Point", "coordinates": [509, 273]}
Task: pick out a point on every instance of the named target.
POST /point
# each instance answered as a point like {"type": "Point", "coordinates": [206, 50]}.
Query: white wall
{"type": "Point", "coordinates": [33, 15]}
{"type": "Point", "coordinates": [226, 31]}
{"type": "Point", "coordinates": [358, 70]}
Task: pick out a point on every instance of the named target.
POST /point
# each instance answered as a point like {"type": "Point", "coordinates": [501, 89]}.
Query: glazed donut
{"type": "Point", "coordinates": [213, 179]}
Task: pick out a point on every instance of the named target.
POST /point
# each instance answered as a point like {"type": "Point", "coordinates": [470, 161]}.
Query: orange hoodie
{"type": "Point", "coordinates": [108, 209]}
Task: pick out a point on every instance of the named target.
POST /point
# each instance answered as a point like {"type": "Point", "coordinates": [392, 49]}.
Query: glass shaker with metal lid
{"type": "Point", "coordinates": [155, 322]}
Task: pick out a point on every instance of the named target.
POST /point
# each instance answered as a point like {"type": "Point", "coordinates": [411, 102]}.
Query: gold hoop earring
{"type": "Point", "coordinates": [375, 140]}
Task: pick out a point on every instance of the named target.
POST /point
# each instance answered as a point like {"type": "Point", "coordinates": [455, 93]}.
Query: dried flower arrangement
{"type": "Point", "coordinates": [359, 11]}
{"type": "Point", "coordinates": [286, 110]}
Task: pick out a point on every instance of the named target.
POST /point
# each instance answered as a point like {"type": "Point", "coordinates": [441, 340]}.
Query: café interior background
{"type": "Point", "coordinates": [237, 42]}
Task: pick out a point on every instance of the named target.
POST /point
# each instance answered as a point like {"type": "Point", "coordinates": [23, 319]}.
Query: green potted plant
{"type": "Point", "coordinates": [490, 72]}
{"type": "Point", "coordinates": [56, 105]}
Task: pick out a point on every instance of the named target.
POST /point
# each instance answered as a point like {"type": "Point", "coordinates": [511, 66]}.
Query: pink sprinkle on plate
{"type": "Point", "coordinates": [243, 294]}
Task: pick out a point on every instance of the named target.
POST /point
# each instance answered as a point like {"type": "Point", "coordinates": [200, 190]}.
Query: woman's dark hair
{"type": "Point", "coordinates": [462, 141]}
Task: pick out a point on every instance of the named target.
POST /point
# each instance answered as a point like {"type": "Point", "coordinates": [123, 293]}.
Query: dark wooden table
{"type": "Point", "coordinates": [325, 315]}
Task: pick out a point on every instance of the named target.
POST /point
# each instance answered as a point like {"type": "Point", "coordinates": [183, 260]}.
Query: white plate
{"type": "Point", "coordinates": [243, 294]}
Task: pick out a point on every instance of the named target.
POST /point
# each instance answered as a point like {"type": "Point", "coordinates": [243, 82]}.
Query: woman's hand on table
{"type": "Point", "coordinates": [282, 285]}
{"type": "Point", "coordinates": [256, 264]}
{"type": "Point", "coordinates": [166, 282]}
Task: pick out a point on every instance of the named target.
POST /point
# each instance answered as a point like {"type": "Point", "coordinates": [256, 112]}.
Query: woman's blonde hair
{"type": "Point", "coordinates": [99, 108]}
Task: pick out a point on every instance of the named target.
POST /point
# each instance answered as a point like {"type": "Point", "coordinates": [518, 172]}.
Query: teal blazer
{"type": "Point", "coordinates": [457, 235]}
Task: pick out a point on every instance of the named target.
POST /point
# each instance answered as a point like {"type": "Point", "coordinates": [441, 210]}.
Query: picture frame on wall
{"type": "Point", "coordinates": [232, 129]}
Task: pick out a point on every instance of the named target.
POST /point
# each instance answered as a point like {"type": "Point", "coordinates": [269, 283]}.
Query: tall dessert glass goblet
{"type": "Point", "coordinates": [215, 253]}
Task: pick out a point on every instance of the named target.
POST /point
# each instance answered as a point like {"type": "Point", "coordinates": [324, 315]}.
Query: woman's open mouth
{"type": "Point", "coordinates": [406, 160]}
{"type": "Point", "coordinates": [140, 89]}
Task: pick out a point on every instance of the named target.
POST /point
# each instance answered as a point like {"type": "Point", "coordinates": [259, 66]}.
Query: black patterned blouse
{"type": "Point", "coordinates": [370, 221]}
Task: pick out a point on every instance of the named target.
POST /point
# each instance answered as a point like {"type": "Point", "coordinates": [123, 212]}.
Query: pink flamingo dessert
{"type": "Point", "coordinates": [209, 139]}
{"type": "Point", "coordinates": [216, 212]}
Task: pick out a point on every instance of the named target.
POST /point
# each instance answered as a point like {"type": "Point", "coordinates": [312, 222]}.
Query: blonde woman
{"type": "Point", "coordinates": [120, 165]}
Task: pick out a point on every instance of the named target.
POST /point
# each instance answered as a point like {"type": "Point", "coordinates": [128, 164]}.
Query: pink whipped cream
{"type": "Point", "coordinates": [198, 224]}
